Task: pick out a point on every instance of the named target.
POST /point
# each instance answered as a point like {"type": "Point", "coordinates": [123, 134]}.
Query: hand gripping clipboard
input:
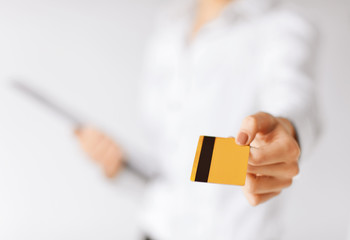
{"type": "Point", "coordinates": [63, 113]}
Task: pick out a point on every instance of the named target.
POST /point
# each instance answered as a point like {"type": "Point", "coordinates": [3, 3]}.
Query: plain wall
{"type": "Point", "coordinates": [88, 56]}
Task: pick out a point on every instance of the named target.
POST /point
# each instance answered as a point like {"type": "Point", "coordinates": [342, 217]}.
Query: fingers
{"type": "Point", "coordinates": [273, 161]}
{"type": "Point", "coordinates": [101, 148]}
{"type": "Point", "coordinates": [279, 170]}
{"type": "Point", "coordinates": [286, 149]}
{"type": "Point", "coordinates": [265, 184]}
{"type": "Point", "coordinates": [89, 137]}
{"type": "Point", "coordinates": [111, 167]}
{"type": "Point", "coordinates": [251, 125]}
{"type": "Point", "coordinates": [258, 189]}
{"type": "Point", "coordinates": [256, 199]}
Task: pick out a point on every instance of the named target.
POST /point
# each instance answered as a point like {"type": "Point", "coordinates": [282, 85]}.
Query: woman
{"type": "Point", "coordinates": [212, 64]}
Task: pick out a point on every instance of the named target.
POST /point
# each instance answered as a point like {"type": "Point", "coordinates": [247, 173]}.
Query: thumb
{"type": "Point", "coordinates": [260, 122]}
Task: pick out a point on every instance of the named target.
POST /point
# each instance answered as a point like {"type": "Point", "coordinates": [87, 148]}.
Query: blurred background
{"type": "Point", "coordinates": [88, 56]}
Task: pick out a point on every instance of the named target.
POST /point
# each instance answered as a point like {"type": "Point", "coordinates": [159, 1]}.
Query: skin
{"type": "Point", "coordinates": [101, 148]}
{"type": "Point", "coordinates": [207, 10]}
{"type": "Point", "coordinates": [274, 154]}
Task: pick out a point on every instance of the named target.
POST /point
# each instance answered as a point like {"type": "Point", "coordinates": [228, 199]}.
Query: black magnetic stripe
{"type": "Point", "coordinates": [205, 159]}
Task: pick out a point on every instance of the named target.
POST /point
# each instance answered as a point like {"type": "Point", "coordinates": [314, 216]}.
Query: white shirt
{"type": "Point", "coordinates": [254, 57]}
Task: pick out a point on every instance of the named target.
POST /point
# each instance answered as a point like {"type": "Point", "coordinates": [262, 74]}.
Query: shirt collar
{"type": "Point", "coordinates": [236, 8]}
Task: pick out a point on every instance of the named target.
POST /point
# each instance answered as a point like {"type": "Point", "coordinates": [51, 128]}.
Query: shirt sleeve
{"type": "Point", "coordinates": [287, 88]}
{"type": "Point", "coordinates": [141, 147]}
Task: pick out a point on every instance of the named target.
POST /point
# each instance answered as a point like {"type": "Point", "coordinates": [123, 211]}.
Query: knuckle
{"type": "Point", "coordinates": [291, 170]}
{"type": "Point", "coordinates": [288, 145]}
{"type": "Point", "coordinates": [264, 114]}
{"type": "Point", "coordinates": [251, 122]}
{"type": "Point", "coordinates": [297, 151]}
{"type": "Point", "coordinates": [294, 170]}
{"type": "Point", "coordinates": [292, 148]}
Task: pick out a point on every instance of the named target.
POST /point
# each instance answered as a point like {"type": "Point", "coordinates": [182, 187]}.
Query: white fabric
{"type": "Point", "coordinates": [254, 57]}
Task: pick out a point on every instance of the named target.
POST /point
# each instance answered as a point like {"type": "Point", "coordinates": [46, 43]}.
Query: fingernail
{"type": "Point", "coordinates": [242, 138]}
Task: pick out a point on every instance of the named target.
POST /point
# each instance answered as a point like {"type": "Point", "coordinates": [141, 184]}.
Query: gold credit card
{"type": "Point", "coordinates": [220, 160]}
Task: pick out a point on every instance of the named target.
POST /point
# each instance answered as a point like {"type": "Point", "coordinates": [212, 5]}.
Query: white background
{"type": "Point", "coordinates": [88, 55]}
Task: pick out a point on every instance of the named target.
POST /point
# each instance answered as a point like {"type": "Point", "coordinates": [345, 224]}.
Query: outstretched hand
{"type": "Point", "coordinates": [274, 156]}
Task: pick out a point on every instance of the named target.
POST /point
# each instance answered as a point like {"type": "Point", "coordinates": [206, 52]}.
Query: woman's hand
{"type": "Point", "coordinates": [274, 155]}
{"type": "Point", "coordinates": [101, 148]}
